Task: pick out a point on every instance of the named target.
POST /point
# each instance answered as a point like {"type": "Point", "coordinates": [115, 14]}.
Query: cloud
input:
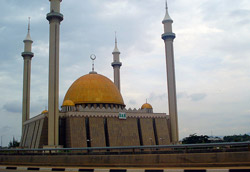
{"type": "Point", "coordinates": [192, 97]}
{"type": "Point", "coordinates": [5, 129]}
{"type": "Point", "coordinates": [37, 105]}
{"type": "Point", "coordinates": [14, 107]}
{"type": "Point", "coordinates": [158, 97]}
{"type": "Point", "coordinates": [2, 28]}
{"type": "Point", "coordinates": [132, 102]}
{"type": "Point", "coordinates": [197, 96]}
{"type": "Point", "coordinates": [182, 95]}
{"type": "Point", "coordinates": [241, 13]}
{"type": "Point", "coordinates": [116, 9]}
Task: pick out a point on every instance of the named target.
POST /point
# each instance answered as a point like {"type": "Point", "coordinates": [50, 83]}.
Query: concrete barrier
{"type": "Point", "coordinates": [219, 159]}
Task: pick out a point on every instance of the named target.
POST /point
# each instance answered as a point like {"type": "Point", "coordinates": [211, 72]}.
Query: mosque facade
{"type": "Point", "coordinates": [93, 113]}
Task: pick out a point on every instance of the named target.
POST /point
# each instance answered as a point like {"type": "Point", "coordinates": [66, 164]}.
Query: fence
{"type": "Point", "coordinates": [151, 149]}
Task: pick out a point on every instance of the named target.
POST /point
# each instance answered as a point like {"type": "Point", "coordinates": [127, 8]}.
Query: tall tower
{"type": "Point", "coordinates": [116, 65]}
{"type": "Point", "coordinates": [27, 56]}
{"type": "Point", "coordinates": [54, 18]}
{"type": "Point", "coordinates": [168, 36]}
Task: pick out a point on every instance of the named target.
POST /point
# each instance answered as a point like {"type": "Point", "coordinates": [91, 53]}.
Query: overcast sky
{"type": "Point", "coordinates": [212, 57]}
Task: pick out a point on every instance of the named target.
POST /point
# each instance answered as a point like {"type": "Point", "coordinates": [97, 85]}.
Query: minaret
{"type": "Point", "coordinates": [54, 18]}
{"type": "Point", "coordinates": [27, 56]}
{"type": "Point", "coordinates": [168, 36]}
{"type": "Point", "coordinates": [116, 65]}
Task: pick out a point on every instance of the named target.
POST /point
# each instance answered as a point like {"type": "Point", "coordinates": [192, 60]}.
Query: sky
{"type": "Point", "coordinates": [212, 58]}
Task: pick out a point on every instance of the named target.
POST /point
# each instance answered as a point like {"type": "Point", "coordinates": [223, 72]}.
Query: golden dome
{"type": "Point", "coordinates": [146, 106]}
{"type": "Point", "coordinates": [68, 103]}
{"type": "Point", "coordinates": [45, 111]}
{"type": "Point", "coordinates": [94, 88]}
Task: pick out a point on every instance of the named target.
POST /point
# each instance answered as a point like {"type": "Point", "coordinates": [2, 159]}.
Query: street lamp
{"type": "Point", "coordinates": [151, 140]}
{"type": "Point", "coordinates": [162, 140]}
{"type": "Point", "coordinates": [89, 142]}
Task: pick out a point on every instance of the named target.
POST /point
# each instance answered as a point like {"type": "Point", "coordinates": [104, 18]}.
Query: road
{"type": "Point", "coordinates": [91, 169]}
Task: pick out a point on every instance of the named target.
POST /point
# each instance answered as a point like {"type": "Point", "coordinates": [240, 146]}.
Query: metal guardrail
{"type": "Point", "coordinates": [182, 148]}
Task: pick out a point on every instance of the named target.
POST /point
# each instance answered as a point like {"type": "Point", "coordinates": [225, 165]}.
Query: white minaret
{"type": "Point", "coordinates": [168, 36]}
{"type": "Point", "coordinates": [116, 65]}
{"type": "Point", "coordinates": [54, 18]}
{"type": "Point", "coordinates": [27, 56]}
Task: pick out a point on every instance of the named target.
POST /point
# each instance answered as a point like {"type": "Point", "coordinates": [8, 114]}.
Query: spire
{"type": "Point", "coordinates": [29, 26]}
{"type": "Point", "coordinates": [167, 18]}
{"type": "Point", "coordinates": [116, 49]}
{"type": "Point", "coordinates": [116, 64]}
{"type": "Point", "coordinates": [93, 57]}
{"type": "Point", "coordinates": [28, 38]}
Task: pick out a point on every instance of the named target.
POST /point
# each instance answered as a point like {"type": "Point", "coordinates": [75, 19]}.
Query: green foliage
{"type": "Point", "coordinates": [14, 143]}
{"type": "Point", "coordinates": [236, 138]}
{"type": "Point", "coordinates": [193, 138]}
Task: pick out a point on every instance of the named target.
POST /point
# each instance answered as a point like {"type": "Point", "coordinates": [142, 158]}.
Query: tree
{"type": "Point", "coordinates": [237, 138]}
{"type": "Point", "coordinates": [193, 139]}
{"type": "Point", "coordinates": [14, 143]}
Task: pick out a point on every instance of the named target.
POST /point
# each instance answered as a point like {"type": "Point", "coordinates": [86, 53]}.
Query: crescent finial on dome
{"type": "Point", "coordinates": [93, 57]}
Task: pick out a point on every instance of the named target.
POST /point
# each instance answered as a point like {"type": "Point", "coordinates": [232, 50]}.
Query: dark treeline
{"type": "Point", "coordinates": [237, 138]}
{"type": "Point", "coordinates": [194, 138]}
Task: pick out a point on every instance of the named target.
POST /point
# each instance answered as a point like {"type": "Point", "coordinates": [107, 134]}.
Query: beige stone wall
{"type": "Point", "coordinates": [147, 131]}
{"type": "Point", "coordinates": [43, 132]}
{"type": "Point", "coordinates": [97, 134]}
{"type": "Point", "coordinates": [24, 133]}
{"type": "Point", "coordinates": [29, 135]}
{"type": "Point", "coordinates": [34, 137]}
{"type": "Point", "coordinates": [123, 132]}
{"type": "Point", "coordinates": [162, 131]}
{"type": "Point", "coordinates": [35, 134]}
{"type": "Point", "coordinates": [76, 132]}
{"type": "Point", "coordinates": [119, 132]}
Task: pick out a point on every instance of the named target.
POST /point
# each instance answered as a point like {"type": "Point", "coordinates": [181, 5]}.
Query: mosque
{"type": "Point", "coordinates": [93, 113]}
